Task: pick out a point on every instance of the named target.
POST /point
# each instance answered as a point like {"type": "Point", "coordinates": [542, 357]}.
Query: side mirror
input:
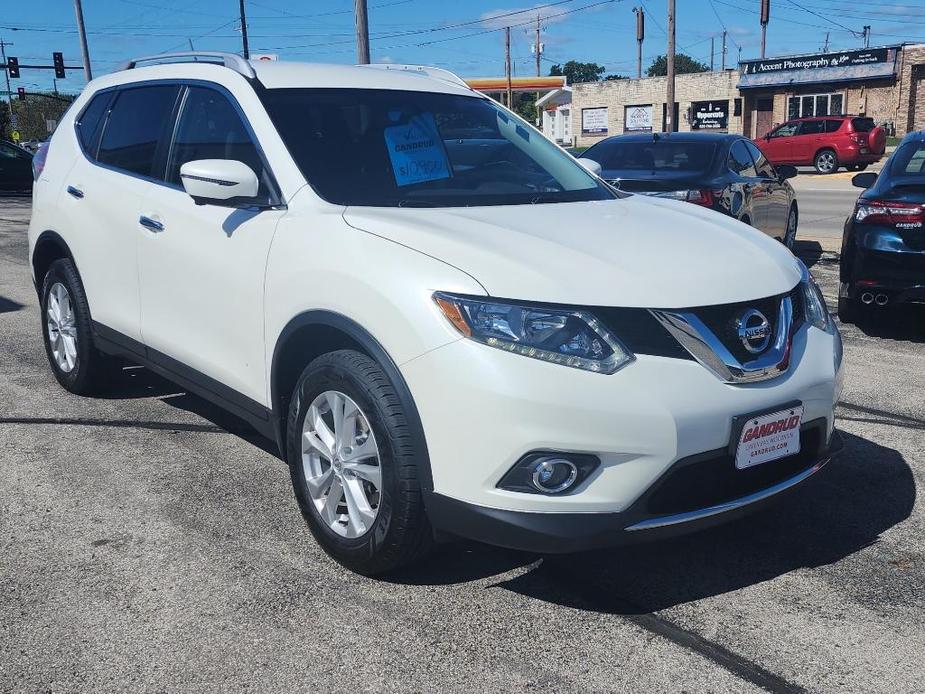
{"type": "Point", "coordinates": [591, 165]}
{"type": "Point", "coordinates": [222, 182]}
{"type": "Point", "coordinates": [786, 171]}
{"type": "Point", "coordinates": [767, 136]}
{"type": "Point", "coordinates": [864, 180]}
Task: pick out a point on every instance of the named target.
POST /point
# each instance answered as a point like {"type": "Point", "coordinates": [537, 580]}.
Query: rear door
{"type": "Point", "coordinates": [748, 190]}
{"type": "Point", "coordinates": [807, 141]}
{"type": "Point", "coordinates": [122, 134]}
{"type": "Point", "coordinates": [202, 272]}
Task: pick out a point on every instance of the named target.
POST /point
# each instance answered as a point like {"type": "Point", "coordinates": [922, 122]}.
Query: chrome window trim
{"type": "Point", "coordinates": [703, 344]}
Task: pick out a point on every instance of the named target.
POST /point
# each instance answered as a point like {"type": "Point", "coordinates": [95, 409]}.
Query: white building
{"type": "Point", "coordinates": [556, 107]}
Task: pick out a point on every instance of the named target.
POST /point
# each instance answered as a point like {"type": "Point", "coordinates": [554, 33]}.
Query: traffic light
{"type": "Point", "coordinates": [58, 60]}
{"type": "Point", "coordinates": [12, 66]}
{"type": "Point", "coordinates": [21, 91]}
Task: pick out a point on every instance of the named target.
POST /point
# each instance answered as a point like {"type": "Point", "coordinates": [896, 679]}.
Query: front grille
{"type": "Point", "coordinates": [712, 478]}
{"type": "Point", "coordinates": [638, 329]}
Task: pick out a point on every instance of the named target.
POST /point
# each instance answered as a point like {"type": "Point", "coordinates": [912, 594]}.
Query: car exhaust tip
{"type": "Point", "coordinates": [882, 299]}
{"type": "Point", "coordinates": [867, 298]}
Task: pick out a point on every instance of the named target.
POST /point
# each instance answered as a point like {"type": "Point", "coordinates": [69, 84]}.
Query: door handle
{"type": "Point", "coordinates": [75, 192]}
{"type": "Point", "coordinates": [151, 224]}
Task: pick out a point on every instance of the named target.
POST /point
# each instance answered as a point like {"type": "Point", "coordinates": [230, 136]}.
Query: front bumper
{"type": "Point", "coordinates": [561, 533]}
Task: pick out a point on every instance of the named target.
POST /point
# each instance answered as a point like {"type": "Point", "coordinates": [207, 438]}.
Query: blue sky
{"type": "Point", "coordinates": [457, 35]}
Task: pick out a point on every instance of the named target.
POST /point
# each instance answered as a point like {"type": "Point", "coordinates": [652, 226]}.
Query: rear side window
{"type": "Point", "coordinates": [740, 161]}
{"type": "Point", "coordinates": [832, 126]}
{"type": "Point", "coordinates": [210, 128]}
{"type": "Point", "coordinates": [91, 120]}
{"type": "Point", "coordinates": [762, 165]}
{"type": "Point", "coordinates": [812, 127]}
{"type": "Point", "coordinates": [138, 122]}
{"type": "Point", "coordinates": [862, 125]}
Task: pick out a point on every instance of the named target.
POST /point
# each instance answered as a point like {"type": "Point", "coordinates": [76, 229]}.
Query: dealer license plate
{"type": "Point", "coordinates": [768, 437]}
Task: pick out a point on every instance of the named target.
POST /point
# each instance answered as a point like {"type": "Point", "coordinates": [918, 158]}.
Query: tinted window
{"type": "Point", "coordinates": [786, 130]}
{"type": "Point", "coordinates": [909, 160]}
{"type": "Point", "coordinates": [394, 148]}
{"type": "Point", "coordinates": [10, 152]}
{"type": "Point", "coordinates": [762, 165]}
{"type": "Point", "coordinates": [862, 125]}
{"type": "Point", "coordinates": [210, 128]}
{"type": "Point", "coordinates": [812, 127]}
{"type": "Point", "coordinates": [740, 161]}
{"type": "Point", "coordinates": [137, 122]}
{"type": "Point", "coordinates": [653, 155]}
{"type": "Point", "coordinates": [832, 126]}
{"type": "Point", "coordinates": [90, 121]}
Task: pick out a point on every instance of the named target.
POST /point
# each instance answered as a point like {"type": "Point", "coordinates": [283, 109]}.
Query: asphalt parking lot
{"type": "Point", "coordinates": [151, 543]}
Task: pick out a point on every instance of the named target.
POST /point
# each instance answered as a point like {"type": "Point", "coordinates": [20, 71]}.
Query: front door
{"type": "Point", "coordinates": [748, 190]}
{"type": "Point", "coordinates": [778, 145]}
{"type": "Point", "coordinates": [764, 115]}
{"type": "Point", "coordinates": [776, 194]}
{"type": "Point", "coordinates": [202, 271]}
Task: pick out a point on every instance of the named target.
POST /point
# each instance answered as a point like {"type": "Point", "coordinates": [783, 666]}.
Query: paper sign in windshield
{"type": "Point", "coordinates": [416, 151]}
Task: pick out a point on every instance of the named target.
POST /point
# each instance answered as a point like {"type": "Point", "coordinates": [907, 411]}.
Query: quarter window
{"type": "Point", "coordinates": [210, 128]}
{"type": "Point", "coordinates": [91, 120]}
{"type": "Point", "coordinates": [138, 121]}
{"type": "Point", "coordinates": [832, 126]}
{"type": "Point", "coordinates": [740, 162]}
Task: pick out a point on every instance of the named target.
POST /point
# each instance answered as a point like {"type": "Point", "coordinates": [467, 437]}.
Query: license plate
{"type": "Point", "coordinates": [768, 437]}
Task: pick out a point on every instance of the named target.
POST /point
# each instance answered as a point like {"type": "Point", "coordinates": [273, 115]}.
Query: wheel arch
{"type": "Point", "coordinates": [49, 247]}
{"type": "Point", "coordinates": [317, 332]}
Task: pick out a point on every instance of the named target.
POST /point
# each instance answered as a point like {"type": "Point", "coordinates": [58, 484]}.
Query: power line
{"type": "Point", "coordinates": [823, 17]}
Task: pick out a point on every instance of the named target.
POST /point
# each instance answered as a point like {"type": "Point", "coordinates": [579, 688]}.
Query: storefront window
{"type": "Point", "coordinates": [836, 106]}
{"type": "Point", "coordinates": [808, 105]}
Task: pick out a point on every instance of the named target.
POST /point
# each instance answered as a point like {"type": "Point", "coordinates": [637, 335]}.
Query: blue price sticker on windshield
{"type": "Point", "coordinates": [416, 151]}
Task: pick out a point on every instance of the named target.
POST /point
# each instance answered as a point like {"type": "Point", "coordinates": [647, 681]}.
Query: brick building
{"type": "Point", "coordinates": [886, 84]}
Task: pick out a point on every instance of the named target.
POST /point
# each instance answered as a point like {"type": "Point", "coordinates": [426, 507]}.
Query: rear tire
{"type": "Point", "coordinates": [826, 161]}
{"type": "Point", "coordinates": [66, 330]}
{"type": "Point", "coordinates": [377, 521]}
{"type": "Point", "coordinates": [847, 310]}
{"type": "Point", "coordinates": [790, 235]}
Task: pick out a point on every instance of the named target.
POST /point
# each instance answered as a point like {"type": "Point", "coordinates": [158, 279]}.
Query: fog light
{"type": "Point", "coordinates": [554, 475]}
{"type": "Point", "coordinates": [549, 472]}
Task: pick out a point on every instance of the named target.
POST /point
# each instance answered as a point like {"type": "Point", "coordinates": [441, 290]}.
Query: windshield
{"type": "Point", "coordinates": [389, 148]}
{"type": "Point", "coordinates": [653, 156]}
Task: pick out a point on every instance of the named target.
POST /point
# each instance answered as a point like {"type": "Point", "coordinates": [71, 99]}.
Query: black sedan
{"type": "Point", "coordinates": [883, 246]}
{"type": "Point", "coordinates": [15, 168]}
{"type": "Point", "coordinates": [726, 173]}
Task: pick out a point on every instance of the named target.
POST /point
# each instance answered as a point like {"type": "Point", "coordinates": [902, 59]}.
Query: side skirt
{"type": "Point", "coordinates": [258, 416]}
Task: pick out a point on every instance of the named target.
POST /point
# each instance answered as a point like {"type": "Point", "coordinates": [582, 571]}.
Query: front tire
{"type": "Point", "coordinates": [826, 161]}
{"type": "Point", "coordinates": [66, 330]}
{"type": "Point", "coordinates": [790, 235]}
{"type": "Point", "coordinates": [352, 464]}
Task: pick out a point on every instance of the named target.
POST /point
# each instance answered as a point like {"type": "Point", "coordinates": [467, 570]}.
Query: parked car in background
{"type": "Point", "coordinates": [826, 143]}
{"type": "Point", "coordinates": [883, 247]}
{"type": "Point", "coordinates": [721, 172]}
{"type": "Point", "coordinates": [15, 168]}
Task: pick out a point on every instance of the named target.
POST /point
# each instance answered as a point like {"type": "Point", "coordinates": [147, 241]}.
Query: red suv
{"type": "Point", "coordinates": [826, 142]}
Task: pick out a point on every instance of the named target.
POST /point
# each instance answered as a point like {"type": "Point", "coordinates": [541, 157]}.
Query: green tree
{"type": "Point", "coordinates": [610, 78]}
{"type": "Point", "coordinates": [682, 64]}
{"type": "Point", "coordinates": [578, 72]}
{"type": "Point", "coordinates": [38, 108]}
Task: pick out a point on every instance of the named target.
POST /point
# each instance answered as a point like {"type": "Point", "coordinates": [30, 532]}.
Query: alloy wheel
{"type": "Point", "coordinates": [62, 327]}
{"type": "Point", "coordinates": [341, 465]}
{"type": "Point", "coordinates": [826, 162]}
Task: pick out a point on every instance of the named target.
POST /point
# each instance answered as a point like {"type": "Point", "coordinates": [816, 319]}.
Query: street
{"type": "Point", "coordinates": [151, 542]}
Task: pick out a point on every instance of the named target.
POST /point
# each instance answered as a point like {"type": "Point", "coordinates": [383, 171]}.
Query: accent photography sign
{"type": "Point", "coordinates": [594, 120]}
{"type": "Point", "coordinates": [637, 119]}
{"type": "Point", "coordinates": [820, 60]}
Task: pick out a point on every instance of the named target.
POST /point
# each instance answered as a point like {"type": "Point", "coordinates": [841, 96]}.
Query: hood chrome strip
{"type": "Point", "coordinates": [706, 347]}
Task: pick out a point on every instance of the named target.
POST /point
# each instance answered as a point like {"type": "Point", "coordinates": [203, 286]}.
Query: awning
{"type": "Point", "coordinates": [846, 73]}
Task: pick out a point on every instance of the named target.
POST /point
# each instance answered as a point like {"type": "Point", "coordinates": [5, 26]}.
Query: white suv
{"type": "Point", "coordinates": [448, 325]}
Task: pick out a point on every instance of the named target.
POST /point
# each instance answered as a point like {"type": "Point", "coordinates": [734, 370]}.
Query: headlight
{"type": "Point", "coordinates": [569, 338]}
{"type": "Point", "coordinates": [816, 312]}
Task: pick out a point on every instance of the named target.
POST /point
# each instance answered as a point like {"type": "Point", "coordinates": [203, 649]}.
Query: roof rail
{"type": "Point", "coordinates": [433, 72]}
{"type": "Point", "coordinates": [229, 60]}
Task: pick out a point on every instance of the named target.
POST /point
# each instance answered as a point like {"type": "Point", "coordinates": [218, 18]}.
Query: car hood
{"type": "Point", "coordinates": [635, 251]}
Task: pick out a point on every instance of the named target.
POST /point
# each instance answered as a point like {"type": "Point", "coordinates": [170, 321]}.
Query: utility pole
{"type": "Point", "coordinates": [78, 10]}
{"type": "Point", "coordinates": [539, 50]}
{"type": "Point", "coordinates": [507, 66]}
{"type": "Point", "coordinates": [669, 108]}
{"type": "Point", "coordinates": [711, 53]}
{"type": "Point", "coordinates": [362, 21]}
{"type": "Point", "coordinates": [867, 36]}
{"type": "Point", "coordinates": [765, 16]}
{"type": "Point", "coordinates": [640, 35]}
{"type": "Point", "coordinates": [247, 53]}
{"type": "Point", "coordinates": [6, 73]}
{"type": "Point", "coordinates": [825, 48]}
{"type": "Point", "coordinates": [724, 50]}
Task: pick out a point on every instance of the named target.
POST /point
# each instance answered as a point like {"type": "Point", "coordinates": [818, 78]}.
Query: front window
{"type": "Point", "coordinates": [391, 148]}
